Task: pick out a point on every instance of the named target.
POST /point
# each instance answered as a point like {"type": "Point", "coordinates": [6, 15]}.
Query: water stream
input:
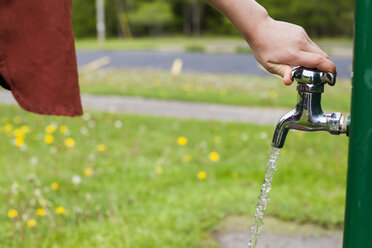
{"type": "Point", "coordinates": [264, 198]}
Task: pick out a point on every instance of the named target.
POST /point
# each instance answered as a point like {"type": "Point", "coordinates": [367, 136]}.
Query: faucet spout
{"type": "Point", "coordinates": [282, 128]}
{"type": "Point", "coordinates": [335, 123]}
{"type": "Point", "coordinates": [308, 114]}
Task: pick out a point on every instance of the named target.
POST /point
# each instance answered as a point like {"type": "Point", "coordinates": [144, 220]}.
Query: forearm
{"type": "Point", "coordinates": [244, 14]}
{"type": "Point", "coordinates": [269, 39]}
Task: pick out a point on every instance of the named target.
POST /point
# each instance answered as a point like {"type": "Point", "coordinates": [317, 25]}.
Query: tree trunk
{"type": "Point", "coordinates": [186, 18]}
{"type": "Point", "coordinates": [123, 20]}
{"type": "Point", "coordinates": [197, 9]}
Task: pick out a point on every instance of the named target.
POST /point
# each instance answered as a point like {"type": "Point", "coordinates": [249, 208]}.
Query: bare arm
{"type": "Point", "coordinates": [276, 45]}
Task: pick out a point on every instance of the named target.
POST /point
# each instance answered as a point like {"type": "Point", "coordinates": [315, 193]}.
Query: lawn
{"type": "Point", "coordinates": [109, 180]}
{"type": "Point", "coordinates": [209, 88]}
{"type": "Point", "coordinates": [211, 44]}
{"type": "Point", "coordinates": [177, 43]}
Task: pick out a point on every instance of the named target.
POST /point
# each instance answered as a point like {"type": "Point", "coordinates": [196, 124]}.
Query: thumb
{"type": "Point", "coordinates": [282, 70]}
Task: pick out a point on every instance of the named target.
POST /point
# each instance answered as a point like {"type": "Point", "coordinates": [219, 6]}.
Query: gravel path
{"type": "Point", "coordinates": [176, 109]}
{"type": "Point", "coordinates": [240, 240]}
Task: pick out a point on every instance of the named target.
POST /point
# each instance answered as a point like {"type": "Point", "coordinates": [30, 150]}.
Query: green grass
{"type": "Point", "coordinates": [126, 203]}
{"type": "Point", "coordinates": [195, 48]}
{"type": "Point", "coordinates": [176, 43]}
{"type": "Point", "coordinates": [210, 44]}
{"type": "Point", "coordinates": [243, 49]}
{"type": "Point", "coordinates": [216, 44]}
{"type": "Point", "coordinates": [223, 89]}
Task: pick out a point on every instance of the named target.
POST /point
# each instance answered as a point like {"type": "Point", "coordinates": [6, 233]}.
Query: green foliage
{"type": "Point", "coordinates": [195, 48]}
{"type": "Point", "coordinates": [83, 18]}
{"type": "Point", "coordinates": [318, 17]}
{"type": "Point", "coordinates": [152, 14]}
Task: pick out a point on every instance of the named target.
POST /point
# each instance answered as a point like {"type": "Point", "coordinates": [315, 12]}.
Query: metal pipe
{"type": "Point", "coordinates": [358, 213]}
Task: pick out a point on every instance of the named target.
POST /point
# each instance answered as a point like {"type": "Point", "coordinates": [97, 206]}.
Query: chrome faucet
{"type": "Point", "coordinates": [308, 114]}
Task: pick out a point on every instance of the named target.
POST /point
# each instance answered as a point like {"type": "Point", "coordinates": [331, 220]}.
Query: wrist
{"type": "Point", "coordinates": [246, 15]}
{"type": "Point", "coordinates": [257, 23]}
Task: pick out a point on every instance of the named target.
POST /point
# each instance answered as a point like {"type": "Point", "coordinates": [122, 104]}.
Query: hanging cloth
{"type": "Point", "coordinates": [37, 56]}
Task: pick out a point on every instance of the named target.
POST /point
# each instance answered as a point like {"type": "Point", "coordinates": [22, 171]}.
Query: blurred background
{"type": "Point", "coordinates": [130, 18]}
{"type": "Point", "coordinates": [173, 145]}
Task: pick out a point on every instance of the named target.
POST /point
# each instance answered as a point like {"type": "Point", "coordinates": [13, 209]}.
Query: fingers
{"type": "Point", "coordinates": [311, 46]}
{"type": "Point", "coordinates": [314, 48]}
{"type": "Point", "coordinates": [282, 70]}
{"type": "Point", "coordinates": [307, 59]}
{"type": "Point", "coordinates": [314, 60]}
{"type": "Point", "coordinates": [312, 56]}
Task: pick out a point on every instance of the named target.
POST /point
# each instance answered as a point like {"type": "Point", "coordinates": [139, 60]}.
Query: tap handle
{"type": "Point", "coordinates": [305, 75]}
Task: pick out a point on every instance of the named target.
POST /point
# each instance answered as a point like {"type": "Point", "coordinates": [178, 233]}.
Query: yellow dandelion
{"type": "Point", "coordinates": [283, 152]}
{"type": "Point", "coordinates": [235, 175]}
{"type": "Point", "coordinates": [41, 212]}
{"type": "Point", "coordinates": [202, 175]}
{"type": "Point", "coordinates": [54, 186]}
{"type": "Point", "coordinates": [60, 210]}
{"type": "Point", "coordinates": [273, 95]}
{"type": "Point", "coordinates": [88, 171]}
{"type": "Point", "coordinates": [186, 87]}
{"type": "Point", "coordinates": [12, 213]}
{"type": "Point", "coordinates": [63, 129]}
{"type": "Point", "coordinates": [25, 129]}
{"type": "Point", "coordinates": [31, 223]}
{"type": "Point", "coordinates": [101, 148]}
{"type": "Point", "coordinates": [48, 139]}
{"type": "Point", "coordinates": [187, 158]}
{"type": "Point", "coordinates": [18, 133]}
{"type": "Point", "coordinates": [182, 141]}
{"type": "Point", "coordinates": [8, 127]}
{"type": "Point", "coordinates": [299, 133]}
{"type": "Point", "coordinates": [157, 82]}
{"type": "Point", "coordinates": [223, 92]}
{"type": "Point", "coordinates": [159, 170]}
{"type": "Point", "coordinates": [214, 156]}
{"type": "Point", "coordinates": [69, 142]}
{"type": "Point", "coordinates": [217, 139]}
{"type": "Point", "coordinates": [18, 142]}
{"type": "Point", "coordinates": [50, 128]}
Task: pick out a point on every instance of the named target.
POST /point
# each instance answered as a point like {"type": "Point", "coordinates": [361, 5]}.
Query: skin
{"type": "Point", "coordinates": [276, 45]}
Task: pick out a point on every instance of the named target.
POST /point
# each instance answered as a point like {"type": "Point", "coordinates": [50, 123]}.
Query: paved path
{"type": "Point", "coordinates": [193, 62]}
{"type": "Point", "coordinates": [234, 232]}
{"type": "Point", "coordinates": [182, 110]}
{"type": "Point", "coordinates": [241, 239]}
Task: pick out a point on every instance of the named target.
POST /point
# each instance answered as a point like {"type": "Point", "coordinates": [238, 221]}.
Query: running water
{"type": "Point", "coordinates": [264, 198]}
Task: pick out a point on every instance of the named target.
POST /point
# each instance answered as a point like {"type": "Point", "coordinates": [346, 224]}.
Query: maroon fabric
{"type": "Point", "coordinates": [37, 56]}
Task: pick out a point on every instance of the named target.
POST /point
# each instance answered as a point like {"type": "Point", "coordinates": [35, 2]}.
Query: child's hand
{"type": "Point", "coordinates": [277, 45]}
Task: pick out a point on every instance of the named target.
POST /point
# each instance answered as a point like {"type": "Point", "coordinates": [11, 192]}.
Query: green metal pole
{"type": "Point", "coordinates": [358, 214]}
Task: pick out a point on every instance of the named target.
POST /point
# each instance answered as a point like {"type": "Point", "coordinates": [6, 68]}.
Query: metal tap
{"type": "Point", "coordinates": [308, 114]}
